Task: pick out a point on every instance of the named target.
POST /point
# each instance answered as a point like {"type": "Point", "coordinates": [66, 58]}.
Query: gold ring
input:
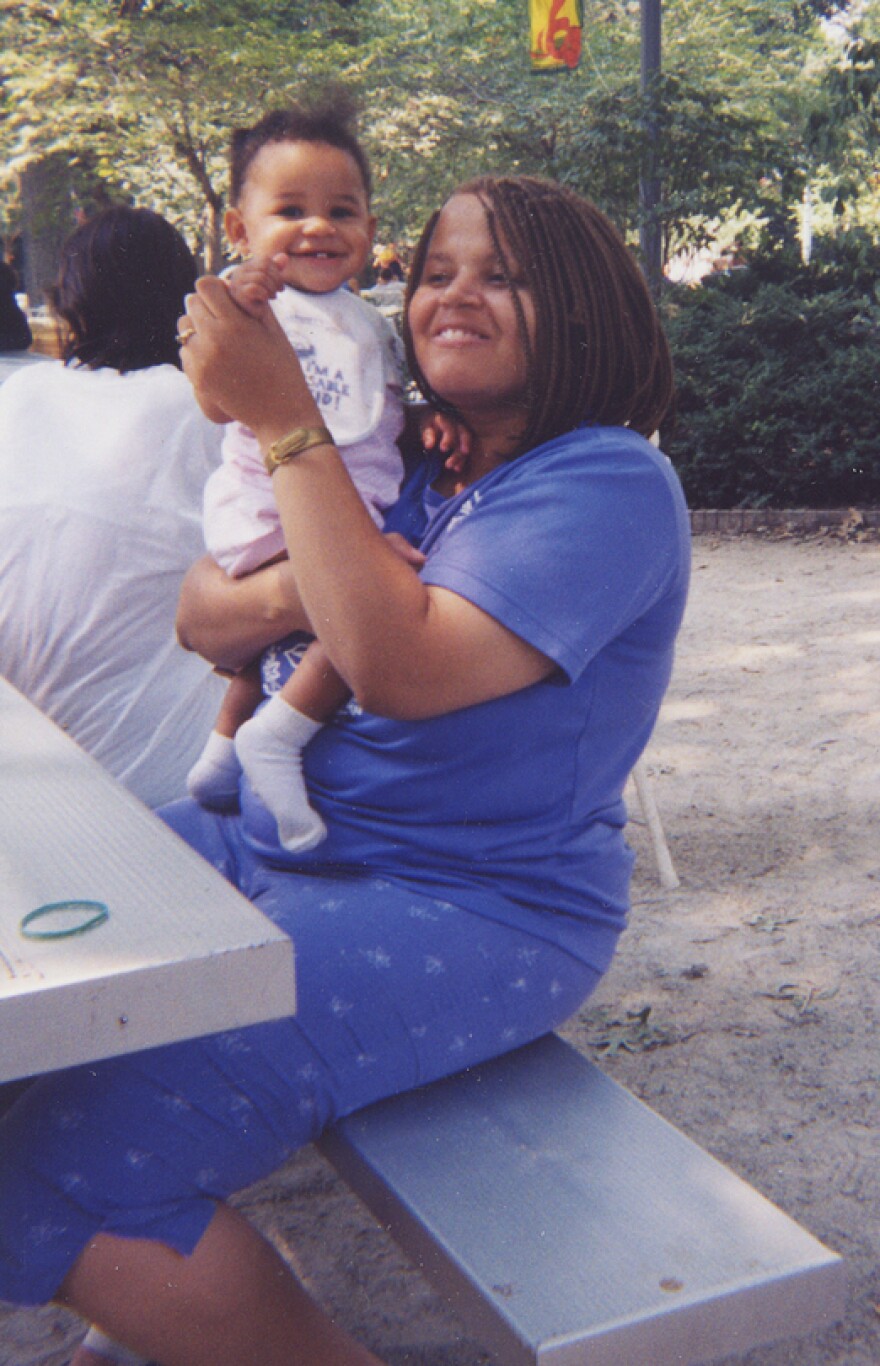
{"type": "Point", "coordinates": [184, 337]}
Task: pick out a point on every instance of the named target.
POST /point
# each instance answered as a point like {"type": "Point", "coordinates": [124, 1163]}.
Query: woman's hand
{"type": "Point", "coordinates": [230, 621]}
{"type": "Point", "coordinates": [242, 365]}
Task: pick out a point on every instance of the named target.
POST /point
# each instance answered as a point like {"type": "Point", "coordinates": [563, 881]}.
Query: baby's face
{"type": "Point", "coordinates": [308, 200]}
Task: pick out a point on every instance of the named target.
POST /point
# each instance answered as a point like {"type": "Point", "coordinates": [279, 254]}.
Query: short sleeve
{"type": "Point", "coordinates": [569, 545]}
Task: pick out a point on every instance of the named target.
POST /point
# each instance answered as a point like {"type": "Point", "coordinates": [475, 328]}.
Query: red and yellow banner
{"type": "Point", "coordinates": [555, 34]}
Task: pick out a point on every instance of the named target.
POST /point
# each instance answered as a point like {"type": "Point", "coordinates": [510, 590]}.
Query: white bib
{"type": "Point", "coordinates": [342, 348]}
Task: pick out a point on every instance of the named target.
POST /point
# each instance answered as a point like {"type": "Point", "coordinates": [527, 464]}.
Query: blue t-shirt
{"type": "Point", "coordinates": [580, 547]}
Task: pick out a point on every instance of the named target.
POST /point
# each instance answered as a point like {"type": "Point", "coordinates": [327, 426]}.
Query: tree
{"type": "Point", "coordinates": [453, 82]}
{"type": "Point", "coordinates": [844, 124]}
{"type": "Point", "coordinates": [142, 94]}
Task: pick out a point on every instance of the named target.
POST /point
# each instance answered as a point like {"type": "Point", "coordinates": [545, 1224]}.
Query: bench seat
{"type": "Point", "coordinates": [569, 1225]}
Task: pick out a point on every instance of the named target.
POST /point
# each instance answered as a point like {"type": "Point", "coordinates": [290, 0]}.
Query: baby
{"type": "Point", "coordinates": [300, 216]}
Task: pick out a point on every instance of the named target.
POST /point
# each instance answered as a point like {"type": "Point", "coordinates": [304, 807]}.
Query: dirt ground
{"type": "Point", "coordinates": [745, 1005]}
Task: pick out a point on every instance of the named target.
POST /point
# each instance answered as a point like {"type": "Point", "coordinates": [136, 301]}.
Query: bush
{"type": "Point", "coordinates": [778, 370]}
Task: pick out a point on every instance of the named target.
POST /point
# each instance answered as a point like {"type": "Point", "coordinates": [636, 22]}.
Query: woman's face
{"type": "Point", "coordinates": [463, 320]}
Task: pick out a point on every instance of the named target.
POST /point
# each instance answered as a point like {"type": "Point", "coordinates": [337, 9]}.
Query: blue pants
{"type": "Point", "coordinates": [395, 987]}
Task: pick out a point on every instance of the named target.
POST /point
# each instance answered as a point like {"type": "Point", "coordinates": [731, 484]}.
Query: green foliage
{"type": "Point", "coordinates": [778, 369]}
{"type": "Point", "coordinates": [709, 151]}
{"type": "Point", "coordinates": [141, 95]}
{"type": "Point", "coordinates": [449, 93]}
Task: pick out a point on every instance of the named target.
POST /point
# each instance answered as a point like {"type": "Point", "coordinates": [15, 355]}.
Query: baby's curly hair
{"type": "Point", "coordinates": [599, 352]}
{"type": "Point", "coordinates": [330, 117]}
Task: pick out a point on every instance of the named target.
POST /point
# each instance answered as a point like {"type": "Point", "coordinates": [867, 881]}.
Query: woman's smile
{"type": "Point", "coordinates": [458, 336]}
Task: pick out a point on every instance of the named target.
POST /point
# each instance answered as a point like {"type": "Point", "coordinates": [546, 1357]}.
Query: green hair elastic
{"type": "Point", "coordinates": [91, 913]}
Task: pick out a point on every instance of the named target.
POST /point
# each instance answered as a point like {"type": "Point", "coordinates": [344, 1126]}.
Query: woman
{"type": "Point", "coordinates": [102, 463]}
{"type": "Point", "coordinates": [474, 879]}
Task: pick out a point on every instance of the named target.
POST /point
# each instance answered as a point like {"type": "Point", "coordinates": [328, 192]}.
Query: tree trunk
{"type": "Point", "coordinates": [47, 219]}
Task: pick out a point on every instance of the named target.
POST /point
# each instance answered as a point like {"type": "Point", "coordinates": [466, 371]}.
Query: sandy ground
{"type": "Point", "coordinates": [743, 1006]}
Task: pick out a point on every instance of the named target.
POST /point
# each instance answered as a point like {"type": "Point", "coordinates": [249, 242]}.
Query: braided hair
{"type": "Point", "coordinates": [599, 352]}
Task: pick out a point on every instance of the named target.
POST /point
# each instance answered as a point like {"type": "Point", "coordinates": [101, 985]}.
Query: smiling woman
{"type": "Point", "coordinates": [595, 349]}
{"type": "Point", "coordinates": [471, 324]}
{"type": "Point", "coordinates": [474, 877]}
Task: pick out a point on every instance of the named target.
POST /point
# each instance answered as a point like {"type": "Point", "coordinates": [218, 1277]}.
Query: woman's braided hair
{"type": "Point", "coordinates": [599, 351]}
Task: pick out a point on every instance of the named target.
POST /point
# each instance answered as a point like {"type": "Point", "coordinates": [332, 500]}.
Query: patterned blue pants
{"type": "Point", "coordinates": [395, 988]}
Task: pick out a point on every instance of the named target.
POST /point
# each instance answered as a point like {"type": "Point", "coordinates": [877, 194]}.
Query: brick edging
{"type": "Point", "coordinates": [802, 521]}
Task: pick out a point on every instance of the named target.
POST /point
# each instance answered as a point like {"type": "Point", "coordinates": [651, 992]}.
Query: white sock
{"type": "Point", "coordinates": [213, 778]}
{"type": "Point", "coordinates": [113, 1352]}
{"type": "Point", "coordinates": [269, 747]}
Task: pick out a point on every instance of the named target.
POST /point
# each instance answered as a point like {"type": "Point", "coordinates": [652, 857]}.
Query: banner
{"type": "Point", "coordinates": [555, 34]}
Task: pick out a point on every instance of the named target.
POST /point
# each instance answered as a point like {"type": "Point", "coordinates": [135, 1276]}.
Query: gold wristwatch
{"type": "Point", "coordinates": [294, 443]}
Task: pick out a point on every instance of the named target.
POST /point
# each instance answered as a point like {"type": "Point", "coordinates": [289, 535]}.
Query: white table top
{"type": "Point", "coordinates": [182, 953]}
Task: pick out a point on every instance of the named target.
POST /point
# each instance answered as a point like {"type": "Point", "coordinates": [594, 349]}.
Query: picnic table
{"type": "Point", "coordinates": [179, 954]}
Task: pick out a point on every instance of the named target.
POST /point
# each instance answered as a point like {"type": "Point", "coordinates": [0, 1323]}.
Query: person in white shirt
{"type": "Point", "coordinates": [103, 460]}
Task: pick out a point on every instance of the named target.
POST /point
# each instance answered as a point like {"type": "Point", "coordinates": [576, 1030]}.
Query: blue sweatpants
{"type": "Point", "coordinates": [395, 987]}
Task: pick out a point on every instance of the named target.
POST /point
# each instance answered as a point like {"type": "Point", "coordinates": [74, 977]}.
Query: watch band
{"type": "Point", "coordinates": [294, 443]}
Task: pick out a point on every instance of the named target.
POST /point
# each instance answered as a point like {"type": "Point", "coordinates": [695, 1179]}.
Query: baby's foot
{"type": "Point", "coordinates": [213, 778]}
{"type": "Point", "coordinates": [269, 747]}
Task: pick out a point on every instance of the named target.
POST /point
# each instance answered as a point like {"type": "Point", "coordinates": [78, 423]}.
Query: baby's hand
{"type": "Point", "coordinates": [401, 546]}
{"type": "Point", "coordinates": [448, 435]}
{"type": "Point", "coordinates": [255, 282]}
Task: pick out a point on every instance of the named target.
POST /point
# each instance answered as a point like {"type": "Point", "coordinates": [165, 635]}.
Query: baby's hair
{"type": "Point", "coordinates": [331, 117]}
{"type": "Point", "coordinates": [599, 352]}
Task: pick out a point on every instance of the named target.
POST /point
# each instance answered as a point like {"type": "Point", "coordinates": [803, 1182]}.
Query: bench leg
{"type": "Point", "coordinates": [665, 869]}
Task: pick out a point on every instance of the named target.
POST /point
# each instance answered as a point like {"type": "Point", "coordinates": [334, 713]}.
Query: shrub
{"type": "Point", "coordinates": [778, 369]}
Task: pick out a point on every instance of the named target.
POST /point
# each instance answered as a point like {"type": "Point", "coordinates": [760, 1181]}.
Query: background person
{"type": "Point", "coordinates": [389, 291]}
{"type": "Point", "coordinates": [474, 879]}
{"type": "Point", "coordinates": [103, 459]}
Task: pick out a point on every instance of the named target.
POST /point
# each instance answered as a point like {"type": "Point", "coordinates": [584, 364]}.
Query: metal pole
{"type": "Point", "coordinates": [649, 183]}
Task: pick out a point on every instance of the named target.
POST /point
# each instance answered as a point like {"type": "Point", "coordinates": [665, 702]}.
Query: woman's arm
{"type": "Point", "coordinates": [406, 649]}
{"type": "Point", "coordinates": [230, 621]}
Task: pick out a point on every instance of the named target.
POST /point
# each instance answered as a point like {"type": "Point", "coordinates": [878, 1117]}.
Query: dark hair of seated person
{"type": "Point", "coordinates": [120, 290]}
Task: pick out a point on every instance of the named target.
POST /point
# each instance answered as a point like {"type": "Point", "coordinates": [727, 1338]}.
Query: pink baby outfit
{"type": "Point", "coordinates": [350, 358]}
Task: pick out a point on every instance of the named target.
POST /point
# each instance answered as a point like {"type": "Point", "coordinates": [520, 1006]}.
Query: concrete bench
{"type": "Point", "coordinates": [569, 1225]}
